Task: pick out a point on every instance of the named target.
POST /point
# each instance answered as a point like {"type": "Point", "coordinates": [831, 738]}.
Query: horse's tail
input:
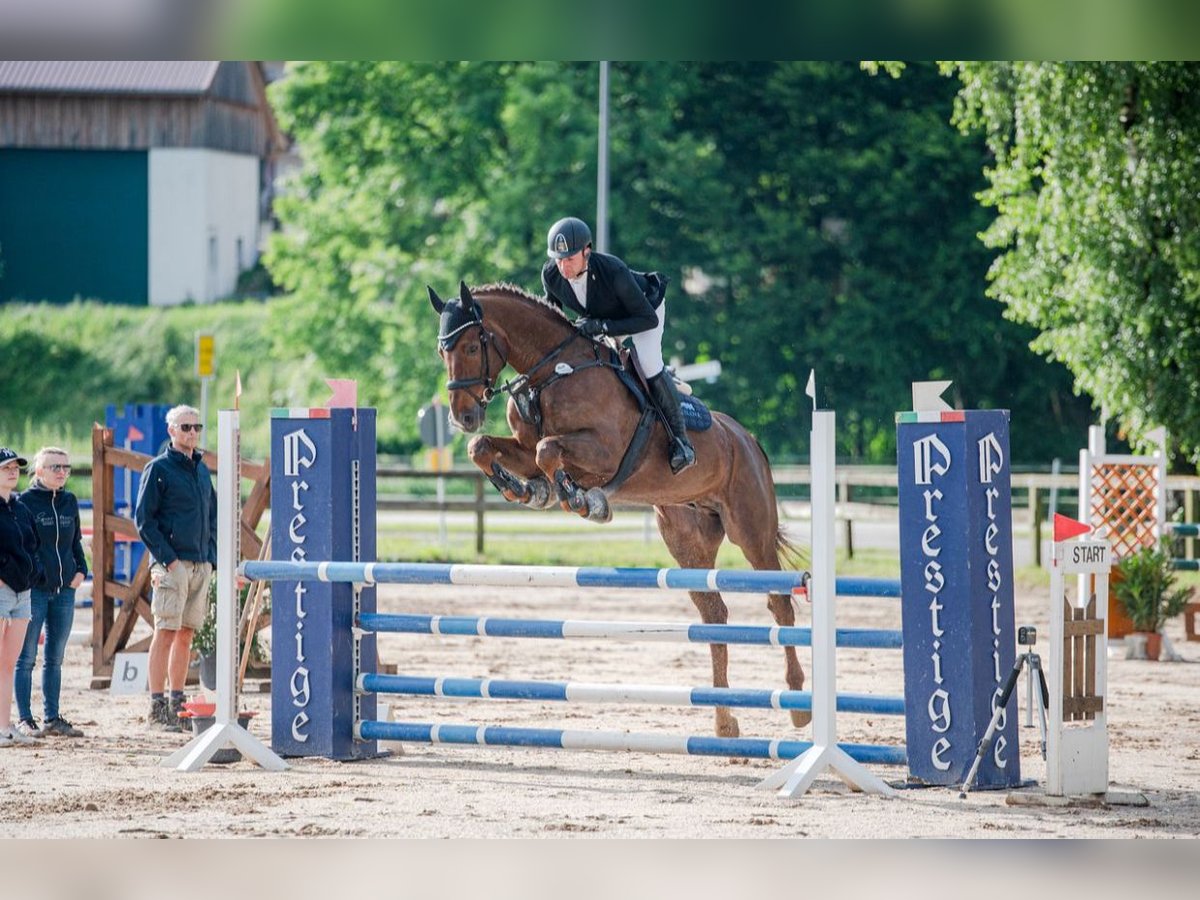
{"type": "Point", "coordinates": [790, 554]}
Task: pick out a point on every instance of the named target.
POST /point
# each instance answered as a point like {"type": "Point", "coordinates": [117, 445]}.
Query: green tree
{"type": "Point", "coordinates": [852, 250]}
{"type": "Point", "coordinates": [809, 215]}
{"type": "Point", "coordinates": [1097, 196]}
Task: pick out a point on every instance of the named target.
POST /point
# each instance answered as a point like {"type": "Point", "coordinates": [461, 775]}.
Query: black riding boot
{"type": "Point", "coordinates": [667, 400]}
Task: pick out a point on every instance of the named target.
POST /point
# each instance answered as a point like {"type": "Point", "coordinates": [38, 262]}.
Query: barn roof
{"type": "Point", "coordinates": [108, 77]}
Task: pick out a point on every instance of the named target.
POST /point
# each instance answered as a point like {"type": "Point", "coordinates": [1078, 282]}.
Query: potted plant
{"type": "Point", "coordinates": [1147, 591]}
{"type": "Point", "coordinates": [204, 639]}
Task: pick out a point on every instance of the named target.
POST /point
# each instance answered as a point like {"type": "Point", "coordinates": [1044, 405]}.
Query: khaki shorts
{"type": "Point", "coordinates": [180, 599]}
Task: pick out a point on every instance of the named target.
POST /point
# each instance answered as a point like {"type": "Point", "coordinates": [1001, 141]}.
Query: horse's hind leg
{"type": "Point", "coordinates": [755, 532]}
{"type": "Point", "coordinates": [693, 536]}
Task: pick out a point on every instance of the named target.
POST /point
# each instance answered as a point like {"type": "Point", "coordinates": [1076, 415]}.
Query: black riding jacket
{"type": "Point", "coordinates": [56, 514]}
{"type": "Point", "coordinates": [176, 511]}
{"type": "Point", "coordinates": [19, 567]}
{"type": "Point", "coordinates": [623, 299]}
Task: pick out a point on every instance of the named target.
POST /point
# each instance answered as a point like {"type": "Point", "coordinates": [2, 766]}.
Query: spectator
{"type": "Point", "coordinates": [18, 571]}
{"type": "Point", "coordinates": [176, 516]}
{"type": "Point", "coordinates": [63, 568]}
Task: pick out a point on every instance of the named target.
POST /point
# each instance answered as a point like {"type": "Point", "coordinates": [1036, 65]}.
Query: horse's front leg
{"type": "Point", "coordinates": [511, 467]}
{"type": "Point", "coordinates": [582, 453]}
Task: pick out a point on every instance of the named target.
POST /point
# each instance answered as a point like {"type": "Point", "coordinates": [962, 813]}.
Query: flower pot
{"type": "Point", "coordinates": [201, 724]}
{"type": "Point", "coordinates": [1153, 644]}
{"type": "Point", "coordinates": [1119, 623]}
{"type": "Point", "coordinates": [208, 671]}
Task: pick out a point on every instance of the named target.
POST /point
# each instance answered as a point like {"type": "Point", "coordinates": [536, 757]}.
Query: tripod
{"type": "Point", "coordinates": [1043, 700]}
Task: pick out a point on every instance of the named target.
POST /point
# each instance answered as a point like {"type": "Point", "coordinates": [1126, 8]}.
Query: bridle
{"type": "Point", "coordinates": [485, 376]}
{"type": "Point", "coordinates": [517, 386]}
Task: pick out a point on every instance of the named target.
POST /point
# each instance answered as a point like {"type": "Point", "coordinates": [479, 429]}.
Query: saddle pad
{"type": "Point", "coordinates": [695, 414]}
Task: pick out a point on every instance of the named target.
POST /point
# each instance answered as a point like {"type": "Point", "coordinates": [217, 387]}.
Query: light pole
{"type": "Point", "coordinates": [602, 165]}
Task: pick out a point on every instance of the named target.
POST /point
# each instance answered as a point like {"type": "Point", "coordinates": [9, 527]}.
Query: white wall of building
{"type": "Point", "coordinates": [203, 223]}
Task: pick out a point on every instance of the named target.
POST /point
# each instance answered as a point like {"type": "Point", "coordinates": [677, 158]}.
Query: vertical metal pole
{"type": "Point", "coordinates": [440, 439]}
{"type": "Point", "coordinates": [602, 164]}
{"type": "Point", "coordinates": [204, 402]}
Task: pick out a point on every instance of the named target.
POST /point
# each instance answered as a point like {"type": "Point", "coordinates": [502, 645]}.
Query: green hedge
{"type": "Point", "coordinates": [63, 364]}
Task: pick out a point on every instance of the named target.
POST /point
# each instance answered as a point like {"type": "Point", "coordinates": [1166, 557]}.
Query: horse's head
{"type": "Point", "coordinates": [472, 356]}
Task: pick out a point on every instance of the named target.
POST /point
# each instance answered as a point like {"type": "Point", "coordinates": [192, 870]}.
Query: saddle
{"type": "Point", "coordinates": [696, 416]}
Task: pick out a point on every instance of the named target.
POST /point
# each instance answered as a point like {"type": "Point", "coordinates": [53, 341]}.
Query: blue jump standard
{"type": "Point", "coordinates": [561, 739]}
{"type": "Point", "coordinates": [573, 692]}
{"type": "Point", "coordinates": [486, 626]}
{"type": "Point", "coordinates": [731, 580]}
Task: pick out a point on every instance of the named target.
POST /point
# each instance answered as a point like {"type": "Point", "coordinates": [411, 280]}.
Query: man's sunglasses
{"type": "Point", "coordinates": [59, 467]}
{"type": "Point", "coordinates": [188, 426]}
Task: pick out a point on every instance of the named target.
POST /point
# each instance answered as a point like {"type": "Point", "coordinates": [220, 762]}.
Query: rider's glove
{"type": "Point", "coordinates": [591, 327]}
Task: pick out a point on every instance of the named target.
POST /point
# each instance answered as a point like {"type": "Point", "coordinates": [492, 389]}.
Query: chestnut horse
{"type": "Point", "coordinates": [573, 420]}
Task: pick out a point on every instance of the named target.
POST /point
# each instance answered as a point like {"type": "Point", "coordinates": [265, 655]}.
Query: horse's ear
{"type": "Point", "coordinates": [468, 302]}
{"type": "Point", "coordinates": [435, 301]}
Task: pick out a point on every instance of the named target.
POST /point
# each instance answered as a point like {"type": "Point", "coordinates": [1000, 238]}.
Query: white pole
{"type": "Point", "coordinates": [225, 732]}
{"type": "Point", "coordinates": [794, 779]}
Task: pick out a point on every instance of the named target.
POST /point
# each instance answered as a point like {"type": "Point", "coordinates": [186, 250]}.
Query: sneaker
{"type": "Point", "coordinates": [174, 708]}
{"type": "Point", "coordinates": [6, 739]}
{"type": "Point", "coordinates": [18, 737]}
{"type": "Point", "coordinates": [60, 727]}
{"type": "Point", "coordinates": [29, 728]}
{"type": "Point", "coordinates": [158, 713]}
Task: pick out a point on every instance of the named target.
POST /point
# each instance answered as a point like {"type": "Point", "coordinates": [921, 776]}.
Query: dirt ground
{"type": "Point", "coordinates": [110, 783]}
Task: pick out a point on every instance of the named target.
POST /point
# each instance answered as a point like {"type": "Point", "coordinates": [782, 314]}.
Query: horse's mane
{"type": "Point", "coordinates": [504, 289]}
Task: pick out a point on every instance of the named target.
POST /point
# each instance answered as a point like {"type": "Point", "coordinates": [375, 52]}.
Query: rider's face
{"type": "Point", "coordinates": [572, 266]}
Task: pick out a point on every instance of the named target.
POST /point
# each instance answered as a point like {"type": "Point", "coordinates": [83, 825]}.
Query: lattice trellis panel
{"type": "Point", "coordinates": [1124, 498]}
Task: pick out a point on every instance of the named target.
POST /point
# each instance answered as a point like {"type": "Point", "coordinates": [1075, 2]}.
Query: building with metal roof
{"type": "Point", "coordinates": [133, 181]}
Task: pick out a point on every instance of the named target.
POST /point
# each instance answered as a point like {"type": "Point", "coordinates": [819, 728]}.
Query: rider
{"type": "Point", "coordinates": [610, 298]}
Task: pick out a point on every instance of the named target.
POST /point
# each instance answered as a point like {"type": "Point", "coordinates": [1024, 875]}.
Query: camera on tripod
{"type": "Point", "coordinates": [1026, 637]}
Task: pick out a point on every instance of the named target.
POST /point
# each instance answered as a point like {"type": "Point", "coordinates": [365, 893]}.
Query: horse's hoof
{"type": "Point", "coordinates": [540, 495]}
{"type": "Point", "coordinates": [598, 509]}
{"type": "Point", "coordinates": [801, 717]}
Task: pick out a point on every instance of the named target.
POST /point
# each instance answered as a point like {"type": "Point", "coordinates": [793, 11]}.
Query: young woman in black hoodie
{"type": "Point", "coordinates": [63, 567]}
{"type": "Point", "coordinates": [18, 569]}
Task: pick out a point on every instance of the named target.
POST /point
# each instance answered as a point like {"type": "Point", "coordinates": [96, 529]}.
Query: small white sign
{"type": "Point", "coordinates": [129, 673]}
{"type": "Point", "coordinates": [1082, 557]}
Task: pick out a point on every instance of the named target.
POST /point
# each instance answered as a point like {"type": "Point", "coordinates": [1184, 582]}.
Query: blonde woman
{"type": "Point", "coordinates": [18, 570]}
{"type": "Point", "coordinates": [56, 515]}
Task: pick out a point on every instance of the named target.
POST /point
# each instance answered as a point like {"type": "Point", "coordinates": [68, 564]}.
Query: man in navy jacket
{"type": "Point", "coordinates": [176, 516]}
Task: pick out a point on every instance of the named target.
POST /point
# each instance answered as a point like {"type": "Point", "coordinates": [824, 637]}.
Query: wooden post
{"type": "Point", "coordinates": [1036, 514]}
{"type": "Point", "coordinates": [479, 505]}
{"type": "Point", "coordinates": [1189, 515]}
{"type": "Point", "coordinates": [102, 548]}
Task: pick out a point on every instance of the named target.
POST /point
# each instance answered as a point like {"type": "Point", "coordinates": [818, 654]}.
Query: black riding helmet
{"type": "Point", "coordinates": [567, 237]}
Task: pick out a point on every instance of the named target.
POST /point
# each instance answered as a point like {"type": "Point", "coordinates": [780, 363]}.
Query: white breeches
{"type": "Point", "coordinates": [649, 345]}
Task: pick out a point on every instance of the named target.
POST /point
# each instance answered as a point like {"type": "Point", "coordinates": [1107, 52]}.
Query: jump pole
{"type": "Point", "coordinates": [794, 779]}
{"type": "Point", "coordinates": [225, 731]}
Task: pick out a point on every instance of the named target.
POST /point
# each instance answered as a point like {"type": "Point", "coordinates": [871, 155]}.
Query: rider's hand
{"type": "Point", "coordinates": [590, 327]}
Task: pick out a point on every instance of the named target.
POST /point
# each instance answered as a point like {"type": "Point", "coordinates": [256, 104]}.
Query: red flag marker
{"type": "Point", "coordinates": [1066, 528]}
{"type": "Point", "coordinates": [134, 434]}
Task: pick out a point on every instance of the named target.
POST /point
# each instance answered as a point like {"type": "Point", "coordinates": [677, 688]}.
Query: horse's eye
{"type": "Point", "coordinates": [472, 349]}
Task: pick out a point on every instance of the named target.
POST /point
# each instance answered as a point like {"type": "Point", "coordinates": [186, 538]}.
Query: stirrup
{"type": "Point", "coordinates": [682, 457]}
